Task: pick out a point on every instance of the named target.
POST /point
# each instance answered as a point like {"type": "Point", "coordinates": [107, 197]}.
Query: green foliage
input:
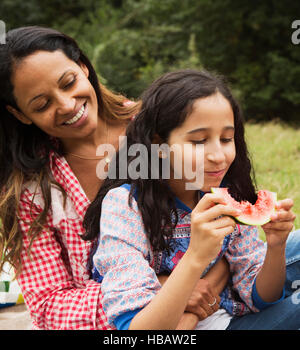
{"type": "Point", "coordinates": [275, 150]}
{"type": "Point", "coordinates": [131, 42]}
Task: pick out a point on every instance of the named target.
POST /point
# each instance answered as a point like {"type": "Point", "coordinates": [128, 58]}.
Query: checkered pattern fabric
{"type": "Point", "coordinates": [55, 280]}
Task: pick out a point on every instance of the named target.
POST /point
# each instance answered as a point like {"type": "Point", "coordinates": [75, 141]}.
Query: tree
{"type": "Point", "coordinates": [131, 42]}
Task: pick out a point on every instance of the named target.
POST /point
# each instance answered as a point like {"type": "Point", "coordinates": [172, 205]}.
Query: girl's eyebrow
{"type": "Point", "coordinates": [58, 81]}
{"type": "Point", "coordinates": [229, 127]}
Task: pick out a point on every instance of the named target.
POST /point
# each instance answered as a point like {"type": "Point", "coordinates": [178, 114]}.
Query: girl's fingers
{"type": "Point", "coordinates": [209, 200]}
{"type": "Point", "coordinates": [283, 216]}
{"type": "Point", "coordinates": [279, 226]}
{"type": "Point", "coordinates": [217, 211]}
{"type": "Point", "coordinates": [222, 222]}
{"type": "Point", "coordinates": [285, 204]}
{"type": "Point", "coordinates": [222, 232]}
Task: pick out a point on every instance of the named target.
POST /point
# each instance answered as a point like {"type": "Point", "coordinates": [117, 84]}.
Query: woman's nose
{"type": "Point", "coordinates": [66, 105]}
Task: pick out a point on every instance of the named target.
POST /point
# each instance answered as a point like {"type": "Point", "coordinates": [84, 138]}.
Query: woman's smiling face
{"type": "Point", "coordinates": [54, 93]}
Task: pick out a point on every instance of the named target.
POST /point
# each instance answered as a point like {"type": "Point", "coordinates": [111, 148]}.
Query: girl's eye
{"type": "Point", "coordinates": [198, 142]}
{"type": "Point", "coordinates": [227, 140]}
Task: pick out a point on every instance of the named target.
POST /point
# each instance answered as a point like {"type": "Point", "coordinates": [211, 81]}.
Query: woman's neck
{"type": "Point", "coordinates": [106, 132]}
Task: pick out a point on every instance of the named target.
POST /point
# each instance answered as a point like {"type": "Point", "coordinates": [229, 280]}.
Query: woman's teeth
{"type": "Point", "coordinates": [77, 116]}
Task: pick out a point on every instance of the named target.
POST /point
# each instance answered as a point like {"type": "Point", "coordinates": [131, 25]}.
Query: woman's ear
{"type": "Point", "coordinates": [19, 115]}
{"type": "Point", "coordinates": [84, 69]}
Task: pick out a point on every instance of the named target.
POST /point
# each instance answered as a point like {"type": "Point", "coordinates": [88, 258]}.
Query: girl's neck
{"type": "Point", "coordinates": [188, 197]}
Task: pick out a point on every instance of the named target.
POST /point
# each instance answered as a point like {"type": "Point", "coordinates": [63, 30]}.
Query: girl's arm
{"type": "Point", "coordinates": [132, 295]}
{"type": "Point", "coordinates": [207, 288]}
{"type": "Point", "coordinates": [166, 308]}
{"type": "Point", "coordinates": [216, 278]}
{"type": "Point", "coordinates": [258, 273]}
{"type": "Point", "coordinates": [269, 285]}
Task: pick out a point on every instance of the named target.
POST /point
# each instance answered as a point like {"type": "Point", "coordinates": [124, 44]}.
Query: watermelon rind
{"type": "Point", "coordinates": [245, 219]}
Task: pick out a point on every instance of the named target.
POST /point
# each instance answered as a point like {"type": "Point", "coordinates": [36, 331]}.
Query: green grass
{"type": "Point", "coordinates": [275, 152]}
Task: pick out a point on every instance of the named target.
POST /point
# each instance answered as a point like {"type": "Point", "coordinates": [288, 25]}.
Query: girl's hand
{"type": "Point", "coordinates": [281, 224]}
{"type": "Point", "coordinates": [210, 223]}
{"type": "Point", "coordinates": [200, 300]}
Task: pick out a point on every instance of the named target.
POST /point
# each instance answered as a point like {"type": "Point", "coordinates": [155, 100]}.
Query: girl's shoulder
{"type": "Point", "coordinates": [118, 201]}
{"type": "Point", "coordinates": [122, 190]}
{"type": "Point", "coordinates": [119, 194]}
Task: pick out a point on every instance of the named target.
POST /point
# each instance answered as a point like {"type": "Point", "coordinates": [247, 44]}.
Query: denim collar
{"type": "Point", "coordinates": [181, 205]}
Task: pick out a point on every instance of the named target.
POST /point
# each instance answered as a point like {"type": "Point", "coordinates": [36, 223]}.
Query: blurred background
{"type": "Point", "coordinates": [132, 42]}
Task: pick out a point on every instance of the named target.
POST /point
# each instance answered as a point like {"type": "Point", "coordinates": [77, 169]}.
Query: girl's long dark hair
{"type": "Point", "coordinates": [165, 105]}
{"type": "Point", "coordinates": [24, 149]}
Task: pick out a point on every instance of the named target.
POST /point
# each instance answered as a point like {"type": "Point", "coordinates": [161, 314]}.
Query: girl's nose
{"type": "Point", "coordinates": [215, 154]}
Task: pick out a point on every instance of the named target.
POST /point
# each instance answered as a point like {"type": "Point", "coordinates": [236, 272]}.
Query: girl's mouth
{"type": "Point", "coordinates": [215, 173]}
{"type": "Point", "coordinates": [79, 118]}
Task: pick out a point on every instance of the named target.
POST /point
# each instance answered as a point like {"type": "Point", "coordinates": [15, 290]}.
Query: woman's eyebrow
{"type": "Point", "coordinates": [58, 81]}
{"type": "Point", "coordinates": [229, 127]}
{"type": "Point", "coordinates": [61, 78]}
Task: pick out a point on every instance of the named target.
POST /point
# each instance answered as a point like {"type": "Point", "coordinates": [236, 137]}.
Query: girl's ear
{"type": "Point", "coordinates": [19, 115]}
{"type": "Point", "coordinates": [159, 141]}
{"type": "Point", "coordinates": [84, 69]}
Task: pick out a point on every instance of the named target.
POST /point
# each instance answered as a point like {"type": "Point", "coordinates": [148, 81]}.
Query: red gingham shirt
{"type": "Point", "coordinates": [55, 280]}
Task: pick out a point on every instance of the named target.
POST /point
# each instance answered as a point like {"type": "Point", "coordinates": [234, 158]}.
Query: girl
{"type": "Point", "coordinates": [149, 226]}
{"type": "Point", "coordinates": [54, 115]}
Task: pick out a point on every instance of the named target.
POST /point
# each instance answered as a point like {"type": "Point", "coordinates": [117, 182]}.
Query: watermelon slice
{"type": "Point", "coordinates": [252, 214]}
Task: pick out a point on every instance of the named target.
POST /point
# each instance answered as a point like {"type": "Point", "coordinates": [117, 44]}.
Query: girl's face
{"type": "Point", "coordinates": [54, 93]}
{"type": "Point", "coordinates": [211, 124]}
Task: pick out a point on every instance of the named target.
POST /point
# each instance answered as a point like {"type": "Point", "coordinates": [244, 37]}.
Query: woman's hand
{"type": "Point", "coordinates": [281, 224]}
{"type": "Point", "coordinates": [210, 223]}
{"type": "Point", "coordinates": [203, 301]}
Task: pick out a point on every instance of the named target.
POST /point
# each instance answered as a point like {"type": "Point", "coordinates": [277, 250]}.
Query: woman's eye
{"type": "Point", "coordinates": [72, 82]}
{"type": "Point", "coordinates": [41, 109]}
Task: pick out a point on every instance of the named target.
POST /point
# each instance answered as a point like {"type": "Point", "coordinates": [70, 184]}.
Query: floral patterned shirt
{"type": "Point", "coordinates": [127, 267]}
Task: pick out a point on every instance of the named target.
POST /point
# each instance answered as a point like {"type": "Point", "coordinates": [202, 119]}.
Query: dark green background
{"type": "Point", "coordinates": [132, 42]}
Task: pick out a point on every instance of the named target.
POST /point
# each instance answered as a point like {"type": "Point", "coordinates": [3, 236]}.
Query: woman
{"type": "Point", "coordinates": [54, 114]}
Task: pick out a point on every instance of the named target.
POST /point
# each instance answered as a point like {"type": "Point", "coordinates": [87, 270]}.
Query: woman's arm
{"type": "Point", "coordinates": [218, 276]}
{"type": "Point", "coordinates": [48, 284]}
